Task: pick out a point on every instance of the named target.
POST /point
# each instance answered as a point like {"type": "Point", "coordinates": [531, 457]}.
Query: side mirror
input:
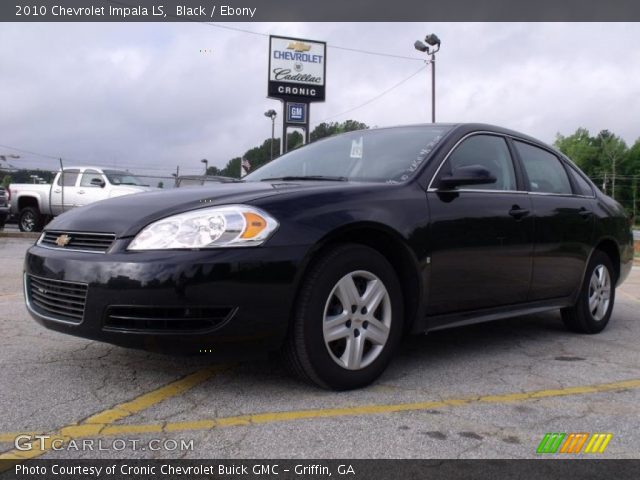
{"type": "Point", "coordinates": [470, 175]}
{"type": "Point", "coordinates": [97, 182]}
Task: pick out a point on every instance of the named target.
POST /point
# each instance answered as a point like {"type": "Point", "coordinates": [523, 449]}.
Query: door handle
{"type": "Point", "coordinates": [81, 192]}
{"type": "Point", "coordinates": [585, 213]}
{"type": "Point", "coordinates": [57, 190]}
{"type": "Point", "coordinates": [518, 213]}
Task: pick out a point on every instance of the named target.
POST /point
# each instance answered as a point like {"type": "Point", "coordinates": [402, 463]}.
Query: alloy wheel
{"type": "Point", "coordinates": [599, 292]}
{"type": "Point", "coordinates": [357, 320]}
{"type": "Point", "coordinates": [28, 222]}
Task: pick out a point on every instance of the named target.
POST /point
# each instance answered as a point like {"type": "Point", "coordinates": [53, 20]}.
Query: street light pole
{"type": "Point", "coordinates": [272, 114]}
{"type": "Point", "coordinates": [206, 165]}
{"type": "Point", "coordinates": [433, 46]}
{"type": "Point", "coordinates": [433, 88]}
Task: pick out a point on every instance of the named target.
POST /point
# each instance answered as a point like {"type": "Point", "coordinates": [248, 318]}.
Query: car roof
{"type": "Point", "coordinates": [465, 128]}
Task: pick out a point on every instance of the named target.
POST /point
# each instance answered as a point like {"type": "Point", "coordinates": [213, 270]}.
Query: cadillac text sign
{"type": "Point", "coordinates": [297, 69]}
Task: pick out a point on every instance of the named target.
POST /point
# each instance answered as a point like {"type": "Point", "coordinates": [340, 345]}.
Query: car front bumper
{"type": "Point", "coordinates": [231, 302]}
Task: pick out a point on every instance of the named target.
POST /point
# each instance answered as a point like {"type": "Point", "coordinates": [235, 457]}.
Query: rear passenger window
{"type": "Point", "coordinates": [546, 173]}
{"type": "Point", "coordinates": [584, 187]}
{"type": "Point", "coordinates": [69, 177]}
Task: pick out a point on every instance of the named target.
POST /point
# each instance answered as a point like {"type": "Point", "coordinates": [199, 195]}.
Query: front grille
{"type": "Point", "coordinates": [165, 319]}
{"type": "Point", "coordinates": [86, 242]}
{"type": "Point", "coordinates": [60, 300]}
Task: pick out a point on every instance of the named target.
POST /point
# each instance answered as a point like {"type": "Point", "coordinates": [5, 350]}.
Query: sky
{"type": "Point", "coordinates": [149, 96]}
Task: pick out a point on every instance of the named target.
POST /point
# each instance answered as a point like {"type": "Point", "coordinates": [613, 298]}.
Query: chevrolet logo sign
{"type": "Point", "coordinates": [63, 240]}
{"type": "Point", "coordinates": [299, 47]}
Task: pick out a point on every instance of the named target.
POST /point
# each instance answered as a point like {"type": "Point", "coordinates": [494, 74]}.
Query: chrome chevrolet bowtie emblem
{"type": "Point", "coordinates": [299, 47]}
{"type": "Point", "coordinates": [63, 240]}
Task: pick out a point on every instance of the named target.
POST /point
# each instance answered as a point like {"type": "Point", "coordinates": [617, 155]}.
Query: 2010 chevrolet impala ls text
{"type": "Point", "coordinates": [332, 252]}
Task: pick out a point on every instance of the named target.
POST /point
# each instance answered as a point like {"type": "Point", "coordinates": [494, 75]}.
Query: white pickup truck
{"type": "Point", "coordinates": [72, 187]}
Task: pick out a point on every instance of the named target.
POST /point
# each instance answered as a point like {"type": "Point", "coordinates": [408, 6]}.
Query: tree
{"type": "Point", "coordinates": [612, 150]}
{"type": "Point", "coordinates": [294, 140]}
{"type": "Point", "coordinates": [215, 171]}
{"type": "Point", "coordinates": [580, 147]}
{"type": "Point", "coordinates": [260, 155]}
{"type": "Point", "coordinates": [232, 169]}
{"type": "Point", "coordinates": [333, 128]}
{"type": "Point", "coordinates": [6, 181]}
{"type": "Point", "coordinates": [631, 169]}
{"type": "Point", "coordinates": [24, 176]}
{"type": "Point", "coordinates": [160, 184]}
{"type": "Point", "coordinates": [606, 159]}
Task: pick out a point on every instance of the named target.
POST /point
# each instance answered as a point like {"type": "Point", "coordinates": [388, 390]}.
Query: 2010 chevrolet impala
{"type": "Point", "coordinates": [334, 251]}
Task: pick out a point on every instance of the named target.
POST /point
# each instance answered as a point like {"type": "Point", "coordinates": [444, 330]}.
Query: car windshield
{"type": "Point", "coordinates": [383, 155]}
{"type": "Point", "coordinates": [117, 177]}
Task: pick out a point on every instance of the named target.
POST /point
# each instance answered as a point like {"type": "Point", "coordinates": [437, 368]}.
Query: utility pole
{"type": "Point", "coordinates": [635, 191]}
{"type": "Point", "coordinates": [604, 184]}
{"type": "Point", "coordinates": [613, 179]}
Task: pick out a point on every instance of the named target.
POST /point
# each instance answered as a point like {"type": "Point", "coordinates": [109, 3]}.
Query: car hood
{"type": "Point", "coordinates": [128, 190]}
{"type": "Point", "coordinates": [126, 215]}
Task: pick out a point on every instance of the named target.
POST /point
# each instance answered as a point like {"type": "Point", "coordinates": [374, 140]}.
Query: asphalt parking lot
{"type": "Point", "coordinates": [485, 391]}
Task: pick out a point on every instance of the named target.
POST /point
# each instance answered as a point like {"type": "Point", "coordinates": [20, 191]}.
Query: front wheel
{"type": "Point", "coordinates": [348, 319]}
{"type": "Point", "coordinates": [592, 311]}
{"type": "Point", "coordinates": [30, 220]}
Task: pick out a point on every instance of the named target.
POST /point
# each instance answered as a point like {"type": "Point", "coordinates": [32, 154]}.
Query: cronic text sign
{"type": "Point", "coordinates": [297, 69]}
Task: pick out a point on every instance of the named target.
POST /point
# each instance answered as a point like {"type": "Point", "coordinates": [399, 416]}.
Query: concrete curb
{"type": "Point", "coordinates": [33, 235]}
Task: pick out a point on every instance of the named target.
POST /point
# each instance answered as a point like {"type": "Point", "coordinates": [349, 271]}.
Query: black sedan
{"type": "Point", "coordinates": [333, 252]}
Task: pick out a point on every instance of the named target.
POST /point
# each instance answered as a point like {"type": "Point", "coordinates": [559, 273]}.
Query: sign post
{"type": "Point", "coordinates": [297, 71]}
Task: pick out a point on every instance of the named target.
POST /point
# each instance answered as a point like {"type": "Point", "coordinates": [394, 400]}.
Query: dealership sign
{"type": "Point", "coordinates": [297, 69]}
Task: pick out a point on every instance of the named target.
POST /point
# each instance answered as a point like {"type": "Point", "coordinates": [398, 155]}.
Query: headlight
{"type": "Point", "coordinates": [214, 227]}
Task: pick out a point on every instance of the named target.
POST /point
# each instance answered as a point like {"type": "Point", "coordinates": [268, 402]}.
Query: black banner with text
{"type": "Point", "coordinates": [320, 11]}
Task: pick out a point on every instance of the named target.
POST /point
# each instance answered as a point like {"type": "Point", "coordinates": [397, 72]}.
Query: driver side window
{"type": "Point", "coordinates": [487, 151]}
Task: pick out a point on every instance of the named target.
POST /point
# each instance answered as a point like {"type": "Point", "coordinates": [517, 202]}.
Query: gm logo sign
{"type": "Point", "coordinates": [296, 112]}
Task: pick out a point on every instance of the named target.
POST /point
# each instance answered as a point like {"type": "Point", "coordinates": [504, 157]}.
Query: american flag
{"type": "Point", "coordinates": [245, 166]}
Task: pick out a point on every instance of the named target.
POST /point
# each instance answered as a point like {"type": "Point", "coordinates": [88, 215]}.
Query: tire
{"type": "Point", "coordinates": [30, 220]}
{"type": "Point", "coordinates": [318, 353]}
{"type": "Point", "coordinates": [599, 286]}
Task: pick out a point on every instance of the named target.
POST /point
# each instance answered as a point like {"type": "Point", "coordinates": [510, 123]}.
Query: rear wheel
{"type": "Point", "coordinates": [592, 311]}
{"type": "Point", "coordinates": [30, 220]}
{"type": "Point", "coordinates": [348, 319]}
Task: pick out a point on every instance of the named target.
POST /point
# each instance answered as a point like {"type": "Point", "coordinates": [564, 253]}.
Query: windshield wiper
{"type": "Point", "coordinates": [291, 178]}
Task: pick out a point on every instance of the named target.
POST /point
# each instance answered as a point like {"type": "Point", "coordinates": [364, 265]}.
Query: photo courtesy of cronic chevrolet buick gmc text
{"type": "Point", "coordinates": [334, 251]}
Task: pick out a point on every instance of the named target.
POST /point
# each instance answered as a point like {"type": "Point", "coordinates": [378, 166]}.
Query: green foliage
{"type": "Point", "coordinates": [261, 154]}
{"type": "Point", "coordinates": [608, 161]}
{"type": "Point", "coordinates": [333, 128]}
{"type": "Point", "coordinates": [24, 176]}
{"type": "Point", "coordinates": [6, 180]}
{"type": "Point", "coordinates": [160, 184]}
{"type": "Point", "coordinates": [294, 140]}
{"type": "Point", "coordinates": [215, 171]}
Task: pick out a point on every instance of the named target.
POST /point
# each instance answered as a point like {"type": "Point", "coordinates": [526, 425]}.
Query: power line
{"type": "Point", "coordinates": [380, 95]}
{"type": "Point", "coordinates": [21, 150]}
{"type": "Point", "coordinates": [261, 34]}
{"type": "Point", "coordinates": [381, 54]}
{"type": "Point", "coordinates": [336, 47]}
